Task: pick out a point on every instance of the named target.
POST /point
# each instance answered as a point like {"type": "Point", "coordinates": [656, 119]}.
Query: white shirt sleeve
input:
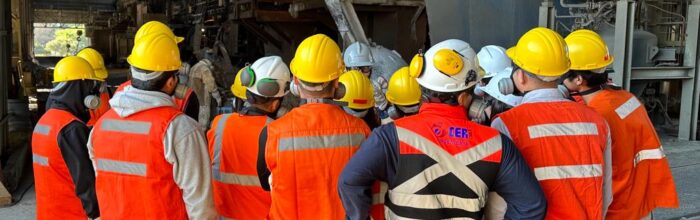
{"type": "Point", "coordinates": [186, 149]}
{"type": "Point", "coordinates": [607, 178]}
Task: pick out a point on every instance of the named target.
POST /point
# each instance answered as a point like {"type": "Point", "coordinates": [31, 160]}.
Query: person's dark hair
{"type": "Point", "coordinates": [154, 84]}
{"type": "Point", "coordinates": [450, 98]}
{"type": "Point", "coordinates": [592, 79]}
{"type": "Point", "coordinates": [253, 98]}
{"type": "Point", "coordinates": [325, 90]}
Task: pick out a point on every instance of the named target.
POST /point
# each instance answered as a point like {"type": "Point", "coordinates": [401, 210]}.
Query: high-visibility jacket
{"type": "Point", "coordinates": [306, 150]}
{"type": "Point", "coordinates": [438, 155]}
{"type": "Point", "coordinates": [564, 143]}
{"type": "Point", "coordinates": [379, 190]}
{"type": "Point", "coordinates": [181, 103]}
{"type": "Point", "coordinates": [101, 110]}
{"type": "Point", "coordinates": [134, 181]}
{"type": "Point", "coordinates": [55, 190]}
{"type": "Point", "coordinates": [642, 179]}
{"type": "Point", "coordinates": [233, 149]}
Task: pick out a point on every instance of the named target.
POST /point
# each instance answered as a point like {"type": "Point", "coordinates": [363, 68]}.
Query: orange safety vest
{"type": "Point", "coordinates": [234, 154]}
{"type": "Point", "coordinates": [642, 179]}
{"type": "Point", "coordinates": [379, 190]}
{"type": "Point", "coordinates": [306, 151]}
{"type": "Point", "coordinates": [134, 181]}
{"type": "Point", "coordinates": [564, 143]}
{"type": "Point", "coordinates": [55, 190]}
{"type": "Point", "coordinates": [180, 103]}
{"type": "Point", "coordinates": [101, 110]}
{"type": "Point", "coordinates": [439, 160]}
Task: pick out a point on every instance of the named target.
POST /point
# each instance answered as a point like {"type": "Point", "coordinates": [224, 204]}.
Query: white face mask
{"type": "Point", "coordinates": [358, 114]}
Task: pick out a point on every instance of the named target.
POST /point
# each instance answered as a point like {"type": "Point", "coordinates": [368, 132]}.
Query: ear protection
{"type": "Point", "coordinates": [266, 87]}
{"type": "Point", "coordinates": [449, 62]}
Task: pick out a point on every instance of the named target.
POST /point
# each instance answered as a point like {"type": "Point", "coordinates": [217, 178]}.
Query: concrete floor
{"type": "Point", "coordinates": [684, 157]}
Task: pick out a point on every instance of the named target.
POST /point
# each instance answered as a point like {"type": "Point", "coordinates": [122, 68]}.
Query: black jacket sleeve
{"type": "Point", "coordinates": [518, 186]}
{"type": "Point", "coordinates": [263, 172]}
{"type": "Point", "coordinates": [192, 107]}
{"type": "Point", "coordinates": [72, 141]}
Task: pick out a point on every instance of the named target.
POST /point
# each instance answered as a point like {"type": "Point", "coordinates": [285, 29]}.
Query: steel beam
{"type": "Point", "coordinates": [624, 27]}
{"type": "Point", "coordinates": [547, 13]}
{"type": "Point", "coordinates": [691, 88]}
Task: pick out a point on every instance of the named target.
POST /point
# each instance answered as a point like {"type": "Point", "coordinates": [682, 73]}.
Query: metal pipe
{"type": "Point", "coordinates": [5, 60]}
{"type": "Point", "coordinates": [566, 5]}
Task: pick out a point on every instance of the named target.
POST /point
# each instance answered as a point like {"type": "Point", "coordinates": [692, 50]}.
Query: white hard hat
{"type": "Point", "coordinates": [448, 66]}
{"type": "Point", "coordinates": [493, 59]}
{"type": "Point", "coordinates": [267, 77]}
{"type": "Point", "coordinates": [500, 83]}
{"type": "Point", "coordinates": [358, 54]}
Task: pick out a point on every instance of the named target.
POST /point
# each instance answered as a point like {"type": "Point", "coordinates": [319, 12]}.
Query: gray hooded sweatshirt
{"type": "Point", "coordinates": [185, 148]}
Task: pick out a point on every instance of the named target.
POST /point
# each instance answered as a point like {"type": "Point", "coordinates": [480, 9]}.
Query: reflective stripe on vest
{"type": "Point", "coordinates": [562, 129]}
{"type": "Point", "coordinates": [42, 129]}
{"type": "Point", "coordinates": [224, 177]}
{"type": "Point", "coordinates": [650, 154]}
{"type": "Point", "coordinates": [41, 160]}
{"type": "Point", "coordinates": [130, 127]}
{"type": "Point", "coordinates": [320, 141]}
{"type": "Point", "coordinates": [123, 167]}
{"type": "Point", "coordinates": [628, 107]}
{"type": "Point", "coordinates": [378, 197]}
{"type": "Point", "coordinates": [446, 164]}
{"type": "Point", "coordinates": [568, 172]}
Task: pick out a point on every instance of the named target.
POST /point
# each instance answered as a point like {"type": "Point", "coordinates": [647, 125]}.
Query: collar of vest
{"type": "Point", "coordinates": [253, 111]}
{"type": "Point", "coordinates": [453, 111]}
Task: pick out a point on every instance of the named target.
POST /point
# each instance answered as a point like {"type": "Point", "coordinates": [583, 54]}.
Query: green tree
{"type": "Point", "coordinates": [64, 37]}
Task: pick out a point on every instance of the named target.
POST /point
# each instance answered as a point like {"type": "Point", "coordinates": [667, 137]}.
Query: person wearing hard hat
{"type": "Point", "coordinates": [185, 99]}
{"type": "Point", "coordinates": [565, 143]}
{"type": "Point", "coordinates": [95, 59]}
{"type": "Point", "coordinates": [356, 95]}
{"type": "Point", "coordinates": [63, 175]}
{"type": "Point", "coordinates": [641, 176]}
{"type": "Point", "coordinates": [490, 99]}
{"type": "Point", "coordinates": [302, 153]}
{"type": "Point", "coordinates": [358, 56]}
{"type": "Point", "coordinates": [145, 149]}
{"type": "Point", "coordinates": [437, 163]}
{"type": "Point", "coordinates": [239, 92]}
{"type": "Point", "coordinates": [234, 151]}
{"type": "Point", "coordinates": [403, 93]}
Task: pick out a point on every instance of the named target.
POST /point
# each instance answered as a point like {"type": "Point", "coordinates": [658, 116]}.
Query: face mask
{"type": "Point", "coordinates": [92, 101]}
{"type": "Point", "coordinates": [516, 91]}
{"type": "Point", "coordinates": [180, 91]}
{"type": "Point", "coordinates": [294, 89]}
{"type": "Point", "coordinates": [358, 114]}
{"type": "Point", "coordinates": [477, 111]}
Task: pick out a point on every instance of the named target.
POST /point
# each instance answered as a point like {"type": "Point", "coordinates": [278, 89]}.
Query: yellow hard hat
{"type": "Point", "coordinates": [95, 59]}
{"type": "Point", "coordinates": [317, 60]}
{"type": "Point", "coordinates": [73, 68]}
{"type": "Point", "coordinates": [153, 27]}
{"type": "Point", "coordinates": [355, 90]}
{"type": "Point", "coordinates": [542, 52]}
{"type": "Point", "coordinates": [237, 88]}
{"type": "Point", "coordinates": [587, 50]}
{"type": "Point", "coordinates": [155, 52]}
{"type": "Point", "coordinates": [403, 89]}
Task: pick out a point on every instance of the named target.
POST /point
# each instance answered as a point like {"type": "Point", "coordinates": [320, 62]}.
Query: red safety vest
{"type": "Point", "coordinates": [564, 143]}
{"type": "Point", "coordinates": [642, 179]}
{"type": "Point", "coordinates": [101, 110]}
{"type": "Point", "coordinates": [55, 190]}
{"type": "Point", "coordinates": [379, 190]}
{"type": "Point", "coordinates": [134, 181]}
{"type": "Point", "coordinates": [234, 154]}
{"type": "Point", "coordinates": [306, 150]}
{"type": "Point", "coordinates": [439, 152]}
{"type": "Point", "coordinates": [180, 103]}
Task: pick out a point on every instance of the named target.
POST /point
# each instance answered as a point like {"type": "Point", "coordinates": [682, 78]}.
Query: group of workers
{"type": "Point", "coordinates": [492, 135]}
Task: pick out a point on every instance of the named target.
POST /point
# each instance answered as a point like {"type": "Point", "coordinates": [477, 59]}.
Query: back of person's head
{"type": "Point", "coordinates": [316, 66]}
{"type": "Point", "coordinates": [266, 82]}
{"type": "Point", "coordinates": [446, 71]}
{"type": "Point", "coordinates": [540, 55]}
{"type": "Point", "coordinates": [589, 57]}
{"type": "Point", "coordinates": [154, 60]}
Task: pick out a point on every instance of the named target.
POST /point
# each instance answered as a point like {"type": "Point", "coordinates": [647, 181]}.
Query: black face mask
{"type": "Point", "coordinates": [516, 91]}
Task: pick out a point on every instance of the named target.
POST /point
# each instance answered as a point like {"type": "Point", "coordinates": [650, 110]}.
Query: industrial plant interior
{"type": "Point", "coordinates": [654, 44]}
